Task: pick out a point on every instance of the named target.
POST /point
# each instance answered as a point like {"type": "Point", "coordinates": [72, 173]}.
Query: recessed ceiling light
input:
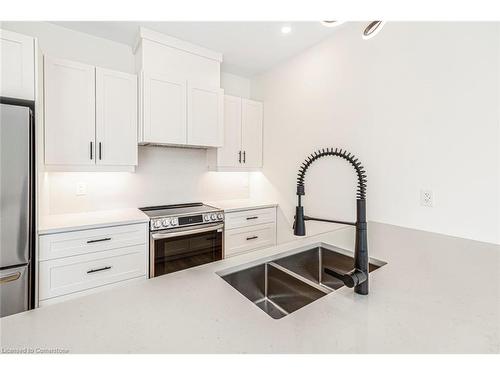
{"type": "Point", "coordinates": [286, 29]}
{"type": "Point", "coordinates": [373, 29]}
{"type": "Point", "coordinates": [332, 23]}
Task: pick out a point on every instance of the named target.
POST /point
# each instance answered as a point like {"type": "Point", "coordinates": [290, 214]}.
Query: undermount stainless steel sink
{"type": "Point", "coordinates": [310, 264]}
{"type": "Point", "coordinates": [283, 285]}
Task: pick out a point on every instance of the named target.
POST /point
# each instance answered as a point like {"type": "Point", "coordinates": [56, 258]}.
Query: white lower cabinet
{"type": "Point", "coordinates": [88, 260]}
{"type": "Point", "coordinates": [249, 230]}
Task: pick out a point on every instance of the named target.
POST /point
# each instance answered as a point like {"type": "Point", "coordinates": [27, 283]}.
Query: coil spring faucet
{"type": "Point", "coordinates": [358, 277]}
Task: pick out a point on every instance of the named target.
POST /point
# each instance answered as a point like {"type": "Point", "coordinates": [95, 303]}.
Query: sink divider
{"type": "Point", "coordinates": [319, 287]}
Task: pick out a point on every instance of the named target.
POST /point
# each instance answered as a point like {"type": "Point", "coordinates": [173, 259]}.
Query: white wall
{"type": "Point", "coordinates": [72, 45]}
{"type": "Point", "coordinates": [235, 85]}
{"type": "Point", "coordinates": [419, 104]}
{"type": "Point", "coordinates": [164, 175]}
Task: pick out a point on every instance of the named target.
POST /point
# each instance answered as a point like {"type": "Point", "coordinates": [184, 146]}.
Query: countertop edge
{"type": "Point", "coordinates": [53, 224]}
{"type": "Point", "coordinates": [74, 228]}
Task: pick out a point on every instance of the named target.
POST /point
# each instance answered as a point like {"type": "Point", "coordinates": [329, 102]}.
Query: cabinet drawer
{"type": "Point", "coordinates": [60, 245]}
{"type": "Point", "coordinates": [250, 217]}
{"type": "Point", "coordinates": [68, 275]}
{"type": "Point", "coordinates": [246, 239]}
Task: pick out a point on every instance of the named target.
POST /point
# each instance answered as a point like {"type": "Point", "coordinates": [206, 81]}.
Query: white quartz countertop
{"type": "Point", "coordinates": [241, 204]}
{"type": "Point", "coordinates": [89, 220]}
{"type": "Point", "coordinates": [437, 294]}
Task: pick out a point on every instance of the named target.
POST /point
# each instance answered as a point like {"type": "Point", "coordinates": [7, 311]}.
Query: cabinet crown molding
{"type": "Point", "coordinates": [179, 44]}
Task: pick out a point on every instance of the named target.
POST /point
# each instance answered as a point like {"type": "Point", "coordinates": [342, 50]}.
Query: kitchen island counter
{"type": "Point", "coordinates": [436, 294]}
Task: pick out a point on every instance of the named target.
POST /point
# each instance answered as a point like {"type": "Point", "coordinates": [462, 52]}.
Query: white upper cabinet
{"type": "Point", "coordinates": [17, 62]}
{"type": "Point", "coordinates": [116, 118]}
{"type": "Point", "coordinates": [90, 116]}
{"type": "Point", "coordinates": [163, 109]}
{"type": "Point", "coordinates": [69, 112]}
{"type": "Point", "coordinates": [205, 124]}
{"type": "Point", "coordinates": [243, 128]}
{"type": "Point", "coordinates": [251, 133]}
{"type": "Point", "coordinates": [230, 154]}
{"type": "Point", "coordinates": [181, 102]}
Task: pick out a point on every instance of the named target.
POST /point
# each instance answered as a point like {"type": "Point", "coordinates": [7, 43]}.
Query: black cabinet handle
{"type": "Point", "coordinates": [91, 156]}
{"type": "Point", "coordinates": [239, 156]}
{"type": "Point", "coordinates": [99, 269]}
{"type": "Point", "coordinates": [100, 150]}
{"type": "Point", "coordinates": [252, 238]}
{"type": "Point", "coordinates": [252, 217]}
{"type": "Point", "coordinates": [99, 240]}
{"type": "Point", "coordinates": [244, 156]}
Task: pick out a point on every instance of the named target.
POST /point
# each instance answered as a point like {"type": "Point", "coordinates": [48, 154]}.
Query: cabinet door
{"type": "Point", "coordinates": [163, 109]}
{"type": "Point", "coordinates": [17, 62]}
{"type": "Point", "coordinates": [116, 118]}
{"type": "Point", "coordinates": [69, 113]}
{"type": "Point", "coordinates": [205, 116]}
{"type": "Point", "coordinates": [228, 155]}
{"type": "Point", "coordinates": [251, 125]}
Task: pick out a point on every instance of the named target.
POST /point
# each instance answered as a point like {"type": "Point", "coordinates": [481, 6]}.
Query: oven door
{"type": "Point", "coordinates": [175, 250]}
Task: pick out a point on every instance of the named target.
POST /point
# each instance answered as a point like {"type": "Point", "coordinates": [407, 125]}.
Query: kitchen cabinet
{"type": "Point", "coordinates": [243, 135]}
{"type": "Point", "coordinates": [90, 116]}
{"type": "Point", "coordinates": [84, 261]}
{"type": "Point", "coordinates": [164, 109]}
{"type": "Point", "coordinates": [116, 118]}
{"type": "Point", "coordinates": [249, 230]}
{"type": "Point", "coordinates": [251, 133]}
{"type": "Point", "coordinates": [178, 112]}
{"type": "Point", "coordinates": [205, 124]}
{"type": "Point", "coordinates": [181, 102]}
{"type": "Point", "coordinates": [229, 154]}
{"type": "Point", "coordinates": [17, 62]}
{"type": "Point", "coordinates": [69, 112]}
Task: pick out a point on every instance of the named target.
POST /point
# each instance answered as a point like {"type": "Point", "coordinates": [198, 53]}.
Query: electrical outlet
{"type": "Point", "coordinates": [81, 188]}
{"type": "Point", "coordinates": [426, 198]}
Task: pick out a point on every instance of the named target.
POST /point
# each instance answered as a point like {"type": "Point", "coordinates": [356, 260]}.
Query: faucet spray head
{"type": "Point", "coordinates": [299, 225]}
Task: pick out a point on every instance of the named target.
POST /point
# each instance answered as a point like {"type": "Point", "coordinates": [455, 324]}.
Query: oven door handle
{"type": "Point", "coordinates": [159, 236]}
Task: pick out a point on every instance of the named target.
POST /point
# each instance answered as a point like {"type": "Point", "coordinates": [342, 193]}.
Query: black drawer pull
{"type": "Point", "coordinates": [252, 217]}
{"type": "Point", "coordinates": [99, 269]}
{"type": "Point", "coordinates": [99, 240]}
{"type": "Point", "coordinates": [252, 238]}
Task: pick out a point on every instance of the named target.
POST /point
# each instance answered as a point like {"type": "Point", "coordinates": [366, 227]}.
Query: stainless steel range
{"type": "Point", "coordinates": [184, 236]}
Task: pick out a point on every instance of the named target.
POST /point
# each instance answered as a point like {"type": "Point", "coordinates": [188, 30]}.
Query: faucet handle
{"type": "Point", "coordinates": [350, 279]}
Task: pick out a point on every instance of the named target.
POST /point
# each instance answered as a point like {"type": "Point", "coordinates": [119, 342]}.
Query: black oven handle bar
{"type": "Point", "coordinates": [186, 232]}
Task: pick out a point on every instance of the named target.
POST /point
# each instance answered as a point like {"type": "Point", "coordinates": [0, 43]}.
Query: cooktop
{"type": "Point", "coordinates": [177, 209]}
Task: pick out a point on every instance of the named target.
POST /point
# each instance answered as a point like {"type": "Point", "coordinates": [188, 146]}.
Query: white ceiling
{"type": "Point", "coordinates": [249, 48]}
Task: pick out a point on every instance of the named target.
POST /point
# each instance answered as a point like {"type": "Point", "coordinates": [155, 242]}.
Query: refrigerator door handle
{"type": "Point", "coordinates": [10, 278]}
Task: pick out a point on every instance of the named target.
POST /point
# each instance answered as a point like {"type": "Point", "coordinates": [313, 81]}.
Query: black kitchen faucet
{"type": "Point", "coordinates": [358, 277]}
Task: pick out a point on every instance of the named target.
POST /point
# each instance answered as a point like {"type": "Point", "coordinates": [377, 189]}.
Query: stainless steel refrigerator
{"type": "Point", "coordinates": [17, 205]}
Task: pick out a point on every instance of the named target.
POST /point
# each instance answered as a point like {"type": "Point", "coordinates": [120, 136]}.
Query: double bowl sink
{"type": "Point", "coordinates": [284, 285]}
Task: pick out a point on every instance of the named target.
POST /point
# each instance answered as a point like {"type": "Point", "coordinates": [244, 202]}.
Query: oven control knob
{"type": "Point", "coordinates": [174, 221]}
{"type": "Point", "coordinates": [166, 222]}
{"type": "Point", "coordinates": [220, 216]}
{"type": "Point", "coordinates": [157, 223]}
{"type": "Point", "coordinates": [206, 218]}
{"type": "Point", "coordinates": [213, 217]}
